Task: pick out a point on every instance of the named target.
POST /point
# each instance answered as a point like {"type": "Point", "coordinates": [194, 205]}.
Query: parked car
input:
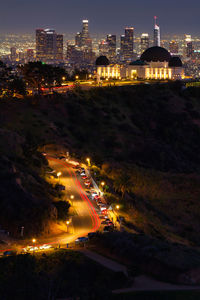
{"type": "Point", "coordinates": [91, 235]}
{"type": "Point", "coordinates": [84, 177]}
{"type": "Point", "coordinates": [107, 219]}
{"type": "Point", "coordinates": [93, 193]}
{"type": "Point", "coordinates": [107, 229]}
{"type": "Point", "coordinates": [82, 239]}
{"type": "Point", "coordinates": [76, 167]}
{"type": "Point", "coordinates": [99, 201]}
{"type": "Point", "coordinates": [51, 172]}
{"type": "Point", "coordinates": [62, 157]}
{"type": "Point", "coordinates": [110, 223]}
{"type": "Point", "coordinates": [101, 204]}
{"type": "Point", "coordinates": [102, 216]}
{"type": "Point", "coordinates": [104, 223]}
{"type": "Point", "coordinates": [97, 197]}
{"type": "Point", "coordinates": [10, 252]}
{"type": "Point", "coordinates": [83, 174]}
{"type": "Point", "coordinates": [87, 183]}
{"type": "Point", "coordinates": [60, 187]}
{"type": "Point", "coordinates": [88, 193]}
{"type": "Point", "coordinates": [103, 208]}
{"type": "Point", "coordinates": [45, 247]}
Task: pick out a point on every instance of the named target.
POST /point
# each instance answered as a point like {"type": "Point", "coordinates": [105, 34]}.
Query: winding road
{"type": "Point", "coordinates": [86, 219]}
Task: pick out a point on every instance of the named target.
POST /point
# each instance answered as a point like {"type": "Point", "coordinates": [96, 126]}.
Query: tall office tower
{"type": "Point", "coordinates": [173, 47]}
{"type": "Point", "coordinates": [29, 55]}
{"type": "Point", "coordinates": [74, 54]}
{"type": "Point", "coordinates": [86, 41]}
{"type": "Point", "coordinates": [59, 47]}
{"type": "Point", "coordinates": [49, 46]}
{"type": "Point", "coordinates": [70, 51]}
{"type": "Point", "coordinates": [144, 42]}
{"type": "Point", "coordinates": [127, 42]}
{"type": "Point", "coordinates": [78, 39]}
{"type": "Point", "coordinates": [112, 44]}
{"type": "Point", "coordinates": [188, 46]}
{"type": "Point", "coordinates": [13, 54]}
{"type": "Point", "coordinates": [156, 33]}
{"type": "Point", "coordinates": [21, 56]}
{"type": "Point", "coordinates": [103, 48]}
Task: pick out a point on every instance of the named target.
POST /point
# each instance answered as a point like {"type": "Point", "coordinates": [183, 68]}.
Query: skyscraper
{"type": "Point", "coordinates": [144, 42]}
{"type": "Point", "coordinates": [188, 46]}
{"type": "Point", "coordinates": [173, 47]}
{"type": "Point", "coordinates": [78, 39]}
{"type": "Point", "coordinates": [59, 47]}
{"type": "Point", "coordinates": [85, 40]}
{"type": "Point", "coordinates": [156, 33]}
{"type": "Point", "coordinates": [103, 48]}
{"type": "Point", "coordinates": [127, 43]}
{"type": "Point", "coordinates": [29, 55]}
{"type": "Point", "coordinates": [111, 41]}
{"type": "Point", "coordinates": [49, 46]}
{"type": "Point", "coordinates": [13, 54]}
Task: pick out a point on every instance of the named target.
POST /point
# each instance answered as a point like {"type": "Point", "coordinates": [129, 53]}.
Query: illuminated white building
{"type": "Point", "coordinates": [105, 70]}
{"type": "Point", "coordinates": [155, 63]}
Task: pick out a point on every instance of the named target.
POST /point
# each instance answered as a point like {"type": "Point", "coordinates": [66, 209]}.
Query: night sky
{"type": "Point", "coordinates": [106, 16]}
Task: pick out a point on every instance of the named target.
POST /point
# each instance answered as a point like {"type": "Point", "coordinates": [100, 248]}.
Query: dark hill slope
{"type": "Point", "coordinates": [155, 128]}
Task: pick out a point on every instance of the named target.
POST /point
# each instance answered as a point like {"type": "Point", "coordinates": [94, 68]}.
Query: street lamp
{"type": "Point", "coordinates": [33, 241]}
{"type": "Point", "coordinates": [117, 207]}
{"type": "Point", "coordinates": [67, 223]}
{"type": "Point", "coordinates": [58, 175]}
{"type": "Point", "coordinates": [71, 198]}
{"type": "Point", "coordinates": [102, 184]}
{"type": "Point", "coordinates": [77, 77]}
{"type": "Point", "coordinates": [88, 161]}
{"type": "Point", "coordinates": [63, 78]}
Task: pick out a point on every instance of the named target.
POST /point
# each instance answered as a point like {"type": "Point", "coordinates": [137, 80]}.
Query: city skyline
{"type": "Point", "coordinates": [24, 17]}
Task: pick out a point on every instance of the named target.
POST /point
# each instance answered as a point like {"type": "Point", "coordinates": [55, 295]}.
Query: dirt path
{"type": "Point", "coordinates": [142, 282]}
{"type": "Point", "coordinates": [145, 283]}
{"type": "Point", "coordinates": [106, 262]}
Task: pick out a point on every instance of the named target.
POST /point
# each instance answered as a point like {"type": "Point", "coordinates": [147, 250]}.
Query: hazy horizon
{"type": "Point", "coordinates": [105, 17]}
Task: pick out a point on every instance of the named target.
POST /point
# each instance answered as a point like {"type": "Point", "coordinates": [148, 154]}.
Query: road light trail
{"type": "Point", "coordinates": [91, 211]}
{"type": "Point", "coordinates": [94, 216]}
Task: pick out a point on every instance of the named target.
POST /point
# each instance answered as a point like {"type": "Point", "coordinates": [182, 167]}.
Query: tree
{"type": "Point", "coordinates": [5, 77]}
{"type": "Point", "coordinates": [17, 86]}
{"type": "Point", "coordinates": [82, 74]}
{"type": "Point", "coordinates": [38, 75]}
{"type": "Point", "coordinates": [33, 74]}
{"type": "Point", "coordinates": [62, 209]}
{"type": "Point", "coordinates": [123, 184]}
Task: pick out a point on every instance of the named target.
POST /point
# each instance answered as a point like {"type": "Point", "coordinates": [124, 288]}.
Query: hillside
{"type": "Point", "coordinates": [150, 132]}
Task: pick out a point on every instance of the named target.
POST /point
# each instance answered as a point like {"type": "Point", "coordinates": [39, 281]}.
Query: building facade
{"type": "Point", "coordinates": [173, 47]}
{"type": "Point", "coordinates": [188, 46]}
{"type": "Point", "coordinates": [127, 44]}
{"type": "Point", "coordinates": [156, 63]}
{"type": "Point", "coordinates": [156, 33]}
{"type": "Point", "coordinates": [49, 46]}
{"type": "Point", "coordinates": [144, 42]}
{"type": "Point", "coordinates": [112, 45]}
